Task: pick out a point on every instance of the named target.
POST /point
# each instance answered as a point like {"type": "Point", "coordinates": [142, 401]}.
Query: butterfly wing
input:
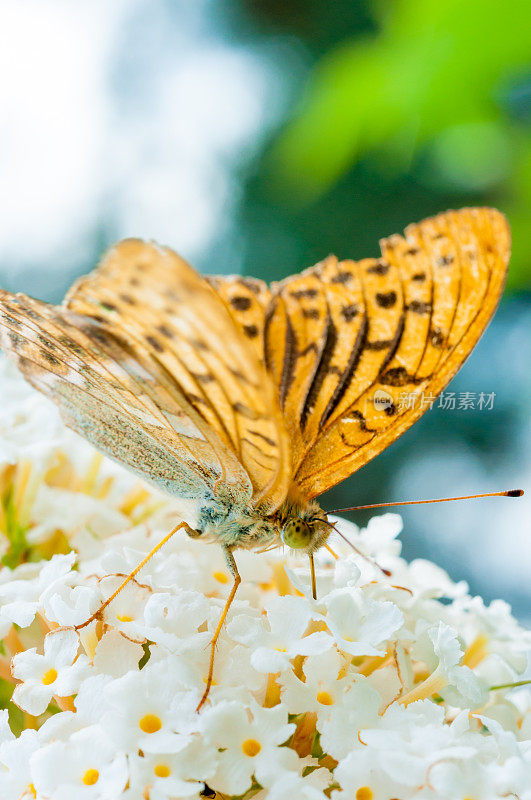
{"type": "Point", "coordinates": [444, 282]}
{"type": "Point", "coordinates": [143, 359]}
{"type": "Point", "coordinates": [154, 298]}
{"type": "Point", "coordinates": [105, 392]}
{"type": "Point", "coordinates": [395, 328]}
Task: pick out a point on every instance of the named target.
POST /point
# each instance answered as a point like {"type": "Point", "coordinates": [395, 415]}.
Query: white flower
{"type": "Point", "coordinates": [361, 778]}
{"type": "Point", "coordinates": [58, 672]}
{"type": "Point", "coordinates": [150, 709]}
{"type": "Point", "coordinates": [159, 776]}
{"type": "Point", "coordinates": [21, 598]}
{"type": "Point", "coordinates": [360, 625]}
{"type": "Point", "coordinates": [87, 766]}
{"type": "Point", "coordinates": [249, 742]}
{"type": "Point", "coordinates": [321, 690]}
{"type": "Point", "coordinates": [283, 639]}
{"type": "Point", "coordinates": [460, 680]}
{"type": "Point", "coordinates": [174, 620]}
{"type": "Point", "coordinates": [116, 654]}
{"type": "Point", "coordinates": [14, 762]}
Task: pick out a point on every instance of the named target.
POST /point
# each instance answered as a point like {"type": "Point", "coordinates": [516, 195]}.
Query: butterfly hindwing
{"type": "Point", "coordinates": [463, 259]}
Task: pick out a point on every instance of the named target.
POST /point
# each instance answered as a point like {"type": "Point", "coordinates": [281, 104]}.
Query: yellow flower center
{"type": "Point", "coordinates": [31, 789]}
{"type": "Point", "coordinates": [221, 577]}
{"type": "Point", "coordinates": [150, 723]}
{"type": "Point", "coordinates": [49, 676]}
{"type": "Point", "coordinates": [325, 699]}
{"type": "Point", "coordinates": [124, 618]}
{"type": "Point", "coordinates": [476, 652]}
{"type": "Point", "coordinates": [90, 777]}
{"type": "Point", "coordinates": [251, 747]}
{"type": "Point", "coordinates": [161, 770]}
{"type": "Point", "coordinates": [364, 793]}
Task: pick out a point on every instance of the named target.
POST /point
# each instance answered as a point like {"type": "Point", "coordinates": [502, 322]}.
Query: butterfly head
{"type": "Point", "coordinates": [304, 528]}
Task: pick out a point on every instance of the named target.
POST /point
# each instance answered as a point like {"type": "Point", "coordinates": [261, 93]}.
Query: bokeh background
{"type": "Point", "coordinates": [257, 137]}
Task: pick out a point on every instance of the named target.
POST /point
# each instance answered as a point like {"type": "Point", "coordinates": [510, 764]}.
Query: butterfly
{"type": "Point", "coordinates": [249, 399]}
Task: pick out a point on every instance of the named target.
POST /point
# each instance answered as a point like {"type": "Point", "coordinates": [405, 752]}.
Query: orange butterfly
{"type": "Point", "coordinates": [253, 400]}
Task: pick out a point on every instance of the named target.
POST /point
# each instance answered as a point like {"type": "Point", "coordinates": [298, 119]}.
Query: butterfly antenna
{"type": "Point", "coordinates": [509, 493]}
{"type": "Point", "coordinates": [370, 560]}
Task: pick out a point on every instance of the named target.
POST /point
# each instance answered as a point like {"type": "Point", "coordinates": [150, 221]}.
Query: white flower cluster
{"type": "Point", "coordinates": [385, 687]}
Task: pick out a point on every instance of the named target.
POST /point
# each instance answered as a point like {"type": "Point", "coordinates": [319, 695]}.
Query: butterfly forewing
{"type": "Point", "coordinates": [83, 369]}
{"type": "Point", "coordinates": [162, 305]}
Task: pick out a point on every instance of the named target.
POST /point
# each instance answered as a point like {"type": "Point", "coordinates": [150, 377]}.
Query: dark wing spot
{"type": "Point", "coordinates": [443, 261]}
{"type": "Point", "coordinates": [15, 338]}
{"type": "Point", "coordinates": [73, 346]}
{"type": "Point", "coordinates": [266, 439]}
{"type": "Point", "coordinates": [310, 348]}
{"type": "Point", "coordinates": [380, 268]}
{"type": "Point", "coordinates": [195, 399]}
{"type": "Point", "coordinates": [383, 344]}
{"type": "Point", "coordinates": [245, 411]}
{"type": "Point", "coordinates": [349, 312]}
{"type": "Point", "coordinates": [251, 284]}
{"type": "Point", "coordinates": [300, 293]}
{"type": "Point", "coordinates": [107, 306]}
{"type": "Point", "coordinates": [203, 377]}
{"type": "Point", "coordinates": [251, 331]}
{"type": "Point", "coordinates": [362, 421]}
{"type": "Point", "coordinates": [155, 344]}
{"type": "Point", "coordinates": [46, 342]}
{"type": "Point", "coordinates": [310, 313]}
{"type": "Point", "coordinates": [412, 251]}
{"type": "Point", "coordinates": [50, 358]}
{"type": "Point", "coordinates": [391, 410]}
{"type": "Point", "coordinates": [386, 299]}
{"type": "Point", "coordinates": [419, 307]}
{"type": "Point", "coordinates": [397, 376]}
{"type": "Point", "coordinates": [126, 298]}
{"type": "Point", "coordinates": [165, 331]}
{"type": "Point", "coordinates": [436, 337]}
{"type": "Point", "coordinates": [240, 303]}
{"type": "Point", "coordinates": [342, 277]}
{"type": "Point", "coordinates": [12, 321]}
{"type": "Point", "coordinates": [419, 277]}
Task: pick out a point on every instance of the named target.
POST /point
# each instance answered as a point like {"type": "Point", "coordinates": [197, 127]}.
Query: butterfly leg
{"type": "Point", "coordinates": [237, 580]}
{"type": "Point", "coordinates": [97, 614]}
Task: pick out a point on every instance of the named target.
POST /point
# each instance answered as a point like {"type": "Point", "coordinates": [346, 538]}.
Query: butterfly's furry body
{"type": "Point", "coordinates": [248, 528]}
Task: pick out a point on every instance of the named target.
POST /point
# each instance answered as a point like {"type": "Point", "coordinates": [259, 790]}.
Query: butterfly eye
{"type": "Point", "coordinates": [296, 534]}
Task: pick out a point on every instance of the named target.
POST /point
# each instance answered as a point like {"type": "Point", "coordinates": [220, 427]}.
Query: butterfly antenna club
{"type": "Point", "coordinates": [507, 493]}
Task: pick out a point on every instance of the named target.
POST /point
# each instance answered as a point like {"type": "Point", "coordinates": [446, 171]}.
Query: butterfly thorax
{"type": "Point", "coordinates": [300, 525]}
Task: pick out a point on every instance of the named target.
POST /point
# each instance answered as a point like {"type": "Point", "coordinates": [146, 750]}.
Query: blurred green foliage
{"type": "Point", "coordinates": [424, 107]}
